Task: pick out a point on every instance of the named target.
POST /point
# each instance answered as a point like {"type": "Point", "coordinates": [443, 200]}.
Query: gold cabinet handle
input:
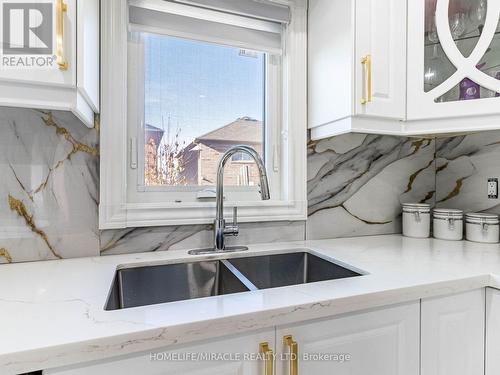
{"type": "Point", "coordinates": [367, 66]}
{"type": "Point", "coordinates": [61, 8]}
{"type": "Point", "coordinates": [268, 358]}
{"type": "Point", "coordinates": [294, 354]}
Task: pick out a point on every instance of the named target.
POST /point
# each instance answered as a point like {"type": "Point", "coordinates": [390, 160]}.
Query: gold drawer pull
{"type": "Point", "coordinates": [269, 358]}
{"type": "Point", "coordinates": [294, 354]}
{"type": "Point", "coordinates": [61, 8]}
{"type": "Point", "coordinates": [367, 65]}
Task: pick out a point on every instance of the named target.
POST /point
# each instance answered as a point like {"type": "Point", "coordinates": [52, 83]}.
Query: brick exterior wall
{"type": "Point", "coordinates": [210, 154]}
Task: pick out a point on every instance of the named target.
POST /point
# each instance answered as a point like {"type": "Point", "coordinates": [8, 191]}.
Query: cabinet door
{"type": "Point", "coordinates": [380, 62]}
{"type": "Point", "coordinates": [453, 59]}
{"type": "Point", "coordinates": [231, 356]}
{"type": "Point", "coordinates": [88, 51]}
{"type": "Point", "coordinates": [379, 342]}
{"type": "Point", "coordinates": [38, 37]}
{"type": "Point", "coordinates": [492, 331]}
{"type": "Point", "coordinates": [453, 334]}
{"type": "Point", "coordinates": [329, 71]}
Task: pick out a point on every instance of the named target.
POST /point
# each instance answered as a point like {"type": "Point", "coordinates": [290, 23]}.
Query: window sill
{"type": "Point", "coordinates": [161, 214]}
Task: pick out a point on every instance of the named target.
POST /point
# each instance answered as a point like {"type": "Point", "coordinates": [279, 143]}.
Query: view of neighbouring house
{"type": "Point", "coordinates": [153, 137]}
{"type": "Point", "coordinates": [196, 164]}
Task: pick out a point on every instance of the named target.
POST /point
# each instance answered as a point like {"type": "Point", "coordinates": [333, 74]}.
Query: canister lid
{"type": "Point", "coordinates": [448, 213]}
{"type": "Point", "coordinates": [480, 218]}
{"type": "Point", "coordinates": [417, 207]}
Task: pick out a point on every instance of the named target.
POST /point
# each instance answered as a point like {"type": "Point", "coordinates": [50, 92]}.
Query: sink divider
{"type": "Point", "coordinates": [251, 286]}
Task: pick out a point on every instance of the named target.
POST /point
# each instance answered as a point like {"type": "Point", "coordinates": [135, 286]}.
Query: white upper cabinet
{"type": "Point", "coordinates": [433, 68]}
{"type": "Point", "coordinates": [453, 63]}
{"type": "Point", "coordinates": [357, 64]}
{"type": "Point", "coordinates": [380, 46]}
{"type": "Point", "coordinates": [330, 49]}
{"type": "Point", "coordinates": [50, 56]}
{"type": "Point", "coordinates": [87, 42]}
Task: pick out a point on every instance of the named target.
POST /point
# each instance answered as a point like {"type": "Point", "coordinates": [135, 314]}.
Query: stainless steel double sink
{"type": "Point", "coordinates": [140, 286]}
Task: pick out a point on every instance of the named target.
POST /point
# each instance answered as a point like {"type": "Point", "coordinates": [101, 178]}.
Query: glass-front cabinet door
{"type": "Point", "coordinates": [453, 58]}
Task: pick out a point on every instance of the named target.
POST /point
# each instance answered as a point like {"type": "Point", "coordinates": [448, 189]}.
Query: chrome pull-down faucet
{"type": "Point", "coordinates": [221, 229]}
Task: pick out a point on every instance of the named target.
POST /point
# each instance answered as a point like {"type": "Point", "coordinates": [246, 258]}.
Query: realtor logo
{"type": "Point", "coordinates": [27, 28]}
{"type": "Point", "coordinates": [27, 34]}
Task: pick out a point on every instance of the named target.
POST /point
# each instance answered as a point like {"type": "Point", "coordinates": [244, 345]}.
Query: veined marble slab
{"type": "Point", "coordinates": [49, 193]}
{"type": "Point", "coordinates": [136, 240]}
{"type": "Point", "coordinates": [49, 188]}
{"type": "Point", "coordinates": [356, 183]}
{"type": "Point", "coordinates": [53, 312]}
{"type": "Point", "coordinates": [463, 166]}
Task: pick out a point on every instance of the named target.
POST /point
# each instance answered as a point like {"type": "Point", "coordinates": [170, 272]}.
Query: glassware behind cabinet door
{"type": "Point", "coordinates": [433, 34]}
{"type": "Point", "coordinates": [458, 24]}
{"type": "Point", "coordinates": [485, 93]}
{"type": "Point", "coordinates": [477, 14]}
{"type": "Point", "coordinates": [433, 76]}
{"type": "Point", "coordinates": [458, 16]}
{"type": "Point", "coordinates": [470, 89]}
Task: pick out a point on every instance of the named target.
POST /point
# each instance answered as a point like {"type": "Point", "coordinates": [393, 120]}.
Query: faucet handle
{"type": "Point", "coordinates": [233, 230]}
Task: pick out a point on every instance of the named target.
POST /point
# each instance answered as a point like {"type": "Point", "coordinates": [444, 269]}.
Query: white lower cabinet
{"type": "Point", "coordinates": [435, 336]}
{"type": "Point", "coordinates": [379, 342]}
{"type": "Point", "coordinates": [187, 360]}
{"type": "Point", "coordinates": [453, 330]}
{"type": "Point", "coordinates": [492, 332]}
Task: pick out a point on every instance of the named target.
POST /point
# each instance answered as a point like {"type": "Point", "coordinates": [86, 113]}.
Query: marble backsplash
{"type": "Point", "coordinates": [133, 240]}
{"type": "Point", "coordinates": [463, 166]}
{"type": "Point", "coordinates": [49, 163]}
{"type": "Point", "coordinates": [356, 183]}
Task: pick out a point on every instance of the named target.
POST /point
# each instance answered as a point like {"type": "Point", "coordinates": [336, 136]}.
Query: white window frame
{"type": "Point", "coordinates": [118, 210]}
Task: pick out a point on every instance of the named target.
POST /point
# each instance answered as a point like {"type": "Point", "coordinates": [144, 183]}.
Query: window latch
{"type": "Point", "coordinates": [133, 153]}
{"type": "Point", "coordinates": [276, 162]}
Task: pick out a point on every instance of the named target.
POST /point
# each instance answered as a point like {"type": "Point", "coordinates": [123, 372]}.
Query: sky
{"type": "Point", "coordinates": [198, 87]}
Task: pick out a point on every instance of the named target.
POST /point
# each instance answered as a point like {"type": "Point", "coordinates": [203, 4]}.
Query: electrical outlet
{"type": "Point", "coordinates": [493, 188]}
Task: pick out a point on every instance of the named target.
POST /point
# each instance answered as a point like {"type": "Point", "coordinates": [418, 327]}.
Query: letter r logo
{"type": "Point", "coordinates": [27, 28]}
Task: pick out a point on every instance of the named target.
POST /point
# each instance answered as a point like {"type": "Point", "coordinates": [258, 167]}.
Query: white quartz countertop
{"type": "Point", "coordinates": [52, 313]}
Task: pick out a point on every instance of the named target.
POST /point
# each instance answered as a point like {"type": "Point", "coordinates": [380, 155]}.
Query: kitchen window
{"type": "Point", "coordinates": [195, 101]}
{"type": "Point", "coordinates": [201, 77]}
